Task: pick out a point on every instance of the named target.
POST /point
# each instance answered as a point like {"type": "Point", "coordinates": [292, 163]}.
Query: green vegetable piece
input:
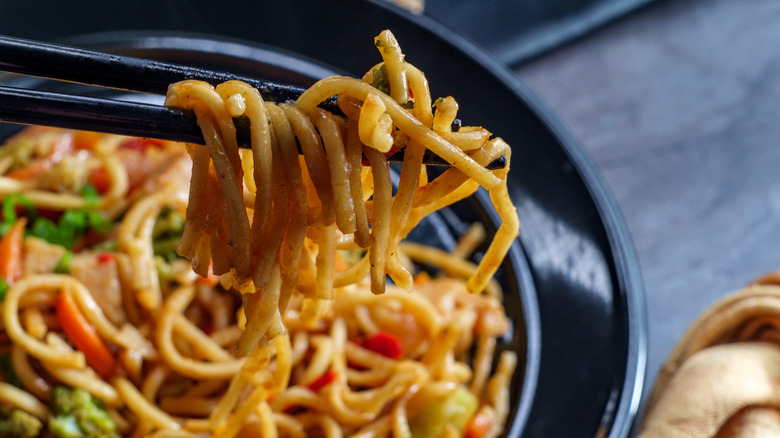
{"type": "Point", "coordinates": [166, 248]}
{"type": "Point", "coordinates": [381, 82]}
{"type": "Point", "coordinates": [99, 223]}
{"type": "Point", "coordinates": [61, 402]}
{"type": "Point", "coordinates": [164, 271]}
{"type": "Point", "coordinates": [455, 410]}
{"type": "Point", "coordinates": [167, 234]}
{"type": "Point", "coordinates": [170, 222]}
{"type": "Point", "coordinates": [65, 427]}
{"type": "Point", "coordinates": [7, 369]}
{"type": "Point", "coordinates": [3, 289]}
{"type": "Point", "coordinates": [45, 229]}
{"type": "Point", "coordinates": [63, 266]}
{"type": "Point", "coordinates": [72, 225]}
{"type": "Point", "coordinates": [76, 411]}
{"type": "Point", "coordinates": [91, 195]}
{"type": "Point", "coordinates": [20, 424]}
{"type": "Point", "coordinates": [10, 203]}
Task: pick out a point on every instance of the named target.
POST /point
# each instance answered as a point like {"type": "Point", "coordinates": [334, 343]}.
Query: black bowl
{"type": "Point", "coordinates": [572, 281]}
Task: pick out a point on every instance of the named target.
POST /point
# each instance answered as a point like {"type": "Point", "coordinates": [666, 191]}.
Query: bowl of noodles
{"type": "Point", "coordinates": [358, 365]}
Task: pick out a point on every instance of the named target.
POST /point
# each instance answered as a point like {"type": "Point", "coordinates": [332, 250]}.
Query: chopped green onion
{"type": "Point", "coordinates": [99, 223]}
{"type": "Point", "coordinates": [70, 227]}
{"type": "Point", "coordinates": [3, 289]}
{"type": "Point", "coordinates": [381, 81]}
{"type": "Point", "coordinates": [45, 229]}
{"type": "Point", "coordinates": [63, 266]}
{"type": "Point", "coordinates": [91, 195]}
{"type": "Point", "coordinates": [10, 203]}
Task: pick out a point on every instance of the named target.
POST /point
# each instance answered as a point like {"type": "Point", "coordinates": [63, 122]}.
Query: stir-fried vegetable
{"type": "Point", "coordinates": [11, 204]}
{"type": "Point", "coordinates": [83, 335]}
{"type": "Point", "coordinates": [79, 415]}
{"type": "Point", "coordinates": [385, 344]}
{"type": "Point", "coordinates": [72, 225]}
{"type": "Point", "coordinates": [33, 159]}
{"type": "Point", "coordinates": [11, 256]}
{"type": "Point", "coordinates": [481, 424]}
{"type": "Point", "coordinates": [7, 371]}
{"type": "Point", "coordinates": [3, 289]}
{"type": "Point", "coordinates": [66, 231]}
{"type": "Point", "coordinates": [11, 252]}
{"type": "Point", "coordinates": [91, 195]}
{"type": "Point", "coordinates": [323, 381]}
{"type": "Point", "coordinates": [455, 410]}
{"type": "Point", "coordinates": [380, 80]}
{"type": "Point", "coordinates": [19, 424]}
{"type": "Point", "coordinates": [63, 266]}
{"type": "Point", "coordinates": [167, 234]}
{"type": "Point", "coordinates": [19, 153]}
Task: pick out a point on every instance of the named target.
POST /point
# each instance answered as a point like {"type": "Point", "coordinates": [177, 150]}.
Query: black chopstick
{"type": "Point", "coordinates": [88, 67]}
{"type": "Point", "coordinates": [34, 107]}
{"type": "Point", "coordinates": [64, 63]}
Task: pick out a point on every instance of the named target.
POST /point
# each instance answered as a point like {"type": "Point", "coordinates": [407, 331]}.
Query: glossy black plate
{"type": "Point", "coordinates": [584, 321]}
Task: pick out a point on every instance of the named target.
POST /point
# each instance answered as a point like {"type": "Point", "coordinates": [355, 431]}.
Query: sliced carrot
{"type": "Point", "coordinates": [479, 425]}
{"type": "Point", "coordinates": [11, 252]}
{"type": "Point", "coordinates": [83, 335]}
{"type": "Point", "coordinates": [422, 278]}
{"type": "Point", "coordinates": [30, 171]}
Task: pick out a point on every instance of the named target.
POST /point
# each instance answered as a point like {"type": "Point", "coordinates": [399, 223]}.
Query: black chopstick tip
{"type": "Point", "coordinates": [498, 163]}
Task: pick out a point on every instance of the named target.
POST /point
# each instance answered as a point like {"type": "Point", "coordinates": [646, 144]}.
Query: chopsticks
{"type": "Point", "coordinates": [58, 62]}
{"type": "Point", "coordinates": [54, 61]}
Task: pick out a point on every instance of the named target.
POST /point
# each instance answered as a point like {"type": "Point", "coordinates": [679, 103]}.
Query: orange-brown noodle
{"type": "Point", "coordinates": [279, 320]}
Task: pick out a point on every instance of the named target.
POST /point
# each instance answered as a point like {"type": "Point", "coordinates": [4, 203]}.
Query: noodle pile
{"type": "Point", "coordinates": [287, 326]}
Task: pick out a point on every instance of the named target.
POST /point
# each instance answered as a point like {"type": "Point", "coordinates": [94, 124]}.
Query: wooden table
{"type": "Point", "coordinates": [679, 106]}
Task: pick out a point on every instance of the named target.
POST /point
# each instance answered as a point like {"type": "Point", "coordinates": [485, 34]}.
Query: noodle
{"type": "Point", "coordinates": [189, 291]}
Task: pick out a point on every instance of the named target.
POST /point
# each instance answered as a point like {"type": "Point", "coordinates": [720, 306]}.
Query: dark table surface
{"type": "Point", "coordinates": [679, 106]}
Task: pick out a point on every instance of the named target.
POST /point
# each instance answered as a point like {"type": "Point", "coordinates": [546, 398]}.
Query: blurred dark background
{"type": "Point", "coordinates": [518, 30]}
